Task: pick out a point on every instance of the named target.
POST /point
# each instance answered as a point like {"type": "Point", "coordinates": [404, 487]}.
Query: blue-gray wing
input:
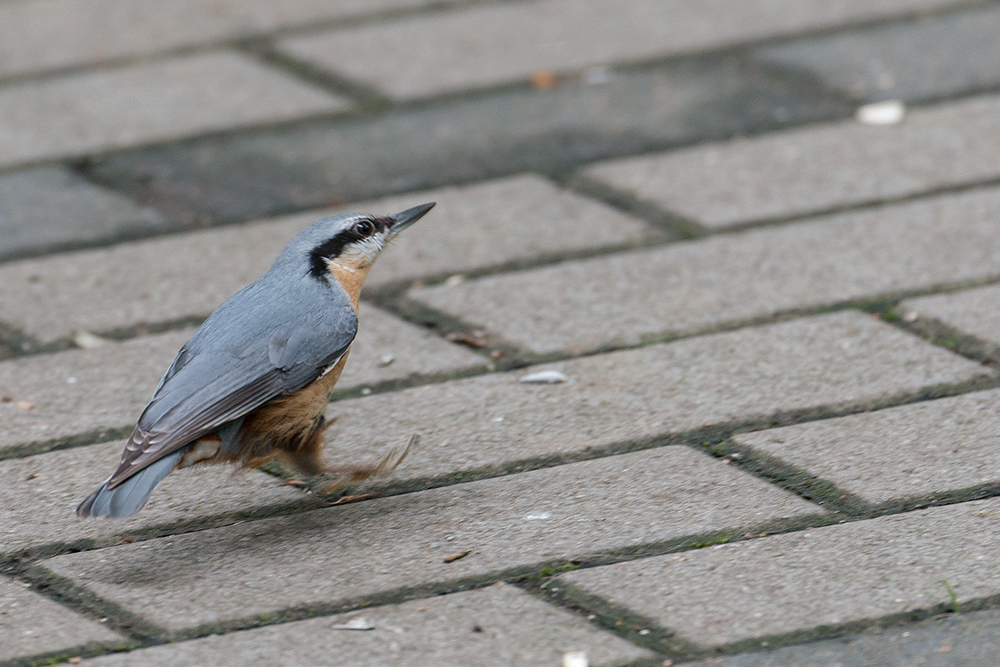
{"type": "Point", "coordinates": [240, 358]}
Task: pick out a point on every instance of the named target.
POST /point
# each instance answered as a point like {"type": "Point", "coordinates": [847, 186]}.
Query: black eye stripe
{"type": "Point", "coordinates": [333, 247]}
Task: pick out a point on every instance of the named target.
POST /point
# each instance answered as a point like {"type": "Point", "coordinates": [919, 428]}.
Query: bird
{"type": "Point", "coordinates": [253, 382]}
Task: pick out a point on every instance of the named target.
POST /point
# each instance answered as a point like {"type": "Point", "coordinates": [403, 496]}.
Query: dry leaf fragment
{"type": "Point", "coordinates": [344, 500]}
{"type": "Point", "coordinates": [24, 405]}
{"type": "Point", "coordinates": [471, 338]}
{"type": "Point", "coordinates": [543, 80]}
{"type": "Point", "coordinates": [461, 554]}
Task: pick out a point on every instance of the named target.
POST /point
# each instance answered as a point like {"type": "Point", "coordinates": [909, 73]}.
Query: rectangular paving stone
{"type": "Point", "coordinates": [43, 208]}
{"type": "Point", "coordinates": [817, 168]}
{"type": "Point", "coordinates": [40, 493]}
{"type": "Point", "coordinates": [969, 639]}
{"type": "Point", "coordinates": [32, 625]}
{"type": "Point", "coordinates": [819, 577]}
{"type": "Point", "coordinates": [315, 163]}
{"type": "Point", "coordinates": [359, 550]}
{"type": "Point", "coordinates": [516, 630]}
{"type": "Point", "coordinates": [905, 452]}
{"type": "Point", "coordinates": [493, 44]}
{"type": "Point", "coordinates": [929, 57]}
{"type": "Point", "coordinates": [44, 34]}
{"type": "Point", "coordinates": [693, 286]}
{"type": "Point", "coordinates": [975, 311]}
{"type": "Point", "coordinates": [491, 421]}
{"type": "Point", "coordinates": [79, 391]}
{"type": "Point", "coordinates": [190, 275]}
{"type": "Point", "coordinates": [148, 102]}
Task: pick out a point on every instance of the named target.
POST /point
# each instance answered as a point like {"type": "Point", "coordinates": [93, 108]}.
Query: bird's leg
{"type": "Point", "coordinates": [344, 475]}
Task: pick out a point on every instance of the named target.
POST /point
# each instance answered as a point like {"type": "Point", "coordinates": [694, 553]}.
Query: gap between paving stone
{"type": "Point", "coordinates": [548, 426]}
{"type": "Point", "coordinates": [723, 621]}
{"type": "Point", "coordinates": [921, 246]}
{"type": "Point", "coordinates": [495, 625]}
{"type": "Point", "coordinates": [540, 515]}
{"type": "Point", "coordinates": [234, 37]}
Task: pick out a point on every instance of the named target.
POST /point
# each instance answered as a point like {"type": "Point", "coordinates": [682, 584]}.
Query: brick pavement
{"type": "Point", "coordinates": [775, 441]}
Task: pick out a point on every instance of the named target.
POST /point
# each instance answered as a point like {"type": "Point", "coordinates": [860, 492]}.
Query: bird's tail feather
{"type": "Point", "coordinates": [131, 495]}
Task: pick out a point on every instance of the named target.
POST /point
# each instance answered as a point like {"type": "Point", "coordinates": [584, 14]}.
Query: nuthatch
{"type": "Point", "coordinates": [253, 382]}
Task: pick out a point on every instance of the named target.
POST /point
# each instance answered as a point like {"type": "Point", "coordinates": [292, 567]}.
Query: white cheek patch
{"type": "Point", "coordinates": [360, 253]}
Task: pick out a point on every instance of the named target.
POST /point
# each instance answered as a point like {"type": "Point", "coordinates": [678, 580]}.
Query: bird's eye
{"type": "Point", "coordinates": [364, 228]}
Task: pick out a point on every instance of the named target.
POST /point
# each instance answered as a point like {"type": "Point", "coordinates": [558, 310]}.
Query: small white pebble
{"type": "Point", "coordinates": [889, 112]}
{"type": "Point", "coordinates": [70, 380]}
{"type": "Point", "coordinates": [544, 377]}
{"type": "Point", "coordinates": [386, 359]}
{"type": "Point", "coordinates": [87, 341]}
{"type": "Point", "coordinates": [360, 623]}
{"type": "Point", "coordinates": [454, 280]}
{"type": "Point", "coordinates": [575, 659]}
{"type": "Point", "coordinates": [911, 316]}
{"type": "Point", "coordinates": [366, 391]}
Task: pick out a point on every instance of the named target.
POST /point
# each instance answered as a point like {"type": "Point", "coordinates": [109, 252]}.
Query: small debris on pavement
{"type": "Point", "coordinates": [386, 359]}
{"type": "Point", "coordinates": [75, 660]}
{"type": "Point", "coordinates": [475, 338]}
{"type": "Point", "coordinates": [477, 628]}
{"type": "Point", "coordinates": [544, 377]}
{"type": "Point", "coordinates": [460, 555]}
{"type": "Point", "coordinates": [543, 80]}
{"type": "Point", "coordinates": [889, 112]}
{"type": "Point", "coordinates": [359, 623]}
{"type": "Point", "coordinates": [24, 405]}
{"type": "Point", "coordinates": [87, 341]}
{"type": "Point", "coordinates": [454, 280]}
{"type": "Point", "coordinates": [911, 316]}
{"type": "Point", "coordinates": [345, 500]}
{"type": "Point", "coordinates": [297, 483]}
{"type": "Point", "coordinates": [6, 399]}
{"type": "Point", "coordinates": [575, 659]}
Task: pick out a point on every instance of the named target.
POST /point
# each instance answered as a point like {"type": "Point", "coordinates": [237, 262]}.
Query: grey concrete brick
{"type": "Point", "coordinates": [905, 452]}
{"type": "Point", "coordinates": [968, 639]}
{"type": "Point", "coordinates": [817, 168]}
{"type": "Point", "coordinates": [926, 58]}
{"type": "Point", "coordinates": [78, 391]}
{"type": "Point", "coordinates": [32, 625]}
{"type": "Point", "coordinates": [40, 493]}
{"type": "Point", "coordinates": [146, 103]}
{"type": "Point", "coordinates": [190, 275]}
{"type": "Point", "coordinates": [42, 208]}
{"type": "Point", "coordinates": [516, 629]}
{"type": "Point", "coordinates": [974, 311]}
{"type": "Point", "coordinates": [823, 576]}
{"type": "Point", "coordinates": [45, 34]}
{"type": "Point", "coordinates": [486, 45]}
{"type": "Point", "coordinates": [490, 421]}
{"type": "Point", "coordinates": [699, 285]}
{"type": "Point", "coordinates": [358, 550]}
{"type": "Point", "coordinates": [311, 164]}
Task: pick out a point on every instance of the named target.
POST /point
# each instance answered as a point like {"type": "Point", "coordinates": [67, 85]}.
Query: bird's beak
{"type": "Point", "coordinates": [404, 219]}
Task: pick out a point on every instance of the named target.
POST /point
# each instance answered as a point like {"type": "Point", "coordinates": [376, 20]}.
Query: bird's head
{"type": "Point", "coordinates": [344, 247]}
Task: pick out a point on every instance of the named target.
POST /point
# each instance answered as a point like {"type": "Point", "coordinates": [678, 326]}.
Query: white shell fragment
{"type": "Point", "coordinates": [575, 659]}
{"type": "Point", "coordinates": [87, 341]}
{"type": "Point", "coordinates": [360, 623]}
{"type": "Point", "coordinates": [888, 112]}
{"type": "Point", "coordinates": [544, 377]}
